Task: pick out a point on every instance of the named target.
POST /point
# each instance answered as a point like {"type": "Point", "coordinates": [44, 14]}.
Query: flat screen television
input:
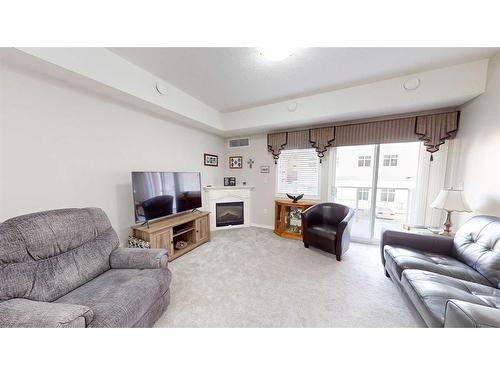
{"type": "Point", "coordinates": [160, 194]}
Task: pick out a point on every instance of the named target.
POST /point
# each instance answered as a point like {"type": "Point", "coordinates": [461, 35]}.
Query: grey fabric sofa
{"type": "Point", "coordinates": [449, 282]}
{"type": "Point", "coordinates": [63, 268]}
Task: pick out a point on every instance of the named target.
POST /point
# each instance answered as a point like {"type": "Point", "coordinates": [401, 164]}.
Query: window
{"type": "Point", "coordinates": [363, 194]}
{"type": "Point", "coordinates": [298, 172]}
{"type": "Point", "coordinates": [390, 160]}
{"type": "Point", "coordinates": [364, 161]}
{"type": "Point", "coordinates": [387, 195]}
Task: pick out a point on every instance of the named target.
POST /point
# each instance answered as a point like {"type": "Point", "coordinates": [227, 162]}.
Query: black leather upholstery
{"type": "Point", "coordinates": [327, 226]}
{"type": "Point", "coordinates": [460, 314]}
{"type": "Point", "coordinates": [429, 293]}
{"type": "Point", "coordinates": [477, 244]}
{"type": "Point", "coordinates": [432, 270]}
{"type": "Point", "coordinates": [399, 259]}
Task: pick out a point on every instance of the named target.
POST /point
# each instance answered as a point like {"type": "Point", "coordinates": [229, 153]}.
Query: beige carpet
{"type": "Point", "coordinates": [249, 277]}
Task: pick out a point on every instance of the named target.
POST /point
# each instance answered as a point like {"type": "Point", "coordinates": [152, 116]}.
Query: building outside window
{"type": "Point", "coordinates": [390, 160]}
{"type": "Point", "coordinates": [364, 161]}
{"type": "Point", "coordinates": [387, 195]}
{"type": "Point", "coordinates": [363, 194]}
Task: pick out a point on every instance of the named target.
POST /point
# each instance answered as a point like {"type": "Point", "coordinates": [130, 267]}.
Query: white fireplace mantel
{"type": "Point", "coordinates": [238, 187]}
{"type": "Point", "coordinates": [224, 194]}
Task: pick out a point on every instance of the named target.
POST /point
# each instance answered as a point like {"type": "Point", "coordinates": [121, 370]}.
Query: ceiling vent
{"type": "Point", "coordinates": [237, 143]}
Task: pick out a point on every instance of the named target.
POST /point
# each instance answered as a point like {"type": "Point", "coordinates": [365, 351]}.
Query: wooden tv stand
{"type": "Point", "coordinates": [193, 228]}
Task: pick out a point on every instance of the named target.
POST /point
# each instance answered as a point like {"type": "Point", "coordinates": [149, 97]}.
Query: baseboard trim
{"type": "Point", "coordinates": [262, 226]}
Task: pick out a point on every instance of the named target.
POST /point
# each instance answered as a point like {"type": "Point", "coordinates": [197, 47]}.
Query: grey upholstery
{"type": "Point", "coordinates": [23, 313]}
{"type": "Point", "coordinates": [431, 270]}
{"type": "Point", "coordinates": [399, 259]}
{"type": "Point", "coordinates": [429, 292]}
{"type": "Point", "coordinates": [460, 314]}
{"type": "Point", "coordinates": [120, 297]}
{"type": "Point", "coordinates": [138, 258]}
{"type": "Point", "coordinates": [47, 257]}
{"type": "Point", "coordinates": [477, 245]}
{"type": "Point", "coordinates": [327, 226]}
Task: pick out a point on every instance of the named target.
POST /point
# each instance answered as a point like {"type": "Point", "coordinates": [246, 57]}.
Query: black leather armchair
{"type": "Point", "coordinates": [327, 226]}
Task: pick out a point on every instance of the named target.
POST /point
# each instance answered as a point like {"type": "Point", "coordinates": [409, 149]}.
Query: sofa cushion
{"type": "Point", "coordinates": [45, 255]}
{"type": "Point", "coordinates": [324, 230]}
{"type": "Point", "coordinates": [24, 313]}
{"type": "Point", "coordinates": [120, 297]}
{"type": "Point", "coordinates": [399, 259]}
{"type": "Point", "coordinates": [477, 243]}
{"type": "Point", "coordinates": [429, 293]}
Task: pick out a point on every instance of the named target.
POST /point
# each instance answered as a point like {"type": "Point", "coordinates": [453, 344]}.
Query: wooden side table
{"type": "Point", "coordinates": [287, 219]}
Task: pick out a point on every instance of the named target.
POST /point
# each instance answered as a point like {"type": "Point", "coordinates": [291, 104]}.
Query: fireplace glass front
{"type": "Point", "coordinates": [229, 213]}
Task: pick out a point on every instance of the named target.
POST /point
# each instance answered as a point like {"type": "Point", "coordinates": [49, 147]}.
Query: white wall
{"type": "Point", "coordinates": [262, 206]}
{"type": "Point", "coordinates": [479, 157]}
{"type": "Point", "coordinates": [61, 146]}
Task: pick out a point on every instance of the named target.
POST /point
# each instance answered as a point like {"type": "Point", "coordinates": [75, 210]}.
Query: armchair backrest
{"type": "Point", "coordinates": [477, 243]}
{"type": "Point", "coordinates": [333, 213]}
{"type": "Point", "coordinates": [45, 255]}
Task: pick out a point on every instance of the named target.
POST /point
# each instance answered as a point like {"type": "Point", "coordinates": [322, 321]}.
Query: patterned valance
{"type": "Point", "coordinates": [431, 128]}
{"type": "Point", "coordinates": [321, 139]}
{"type": "Point", "coordinates": [275, 143]}
{"type": "Point", "coordinates": [435, 129]}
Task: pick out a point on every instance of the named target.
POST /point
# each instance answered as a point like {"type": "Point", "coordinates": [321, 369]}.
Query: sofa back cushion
{"type": "Point", "coordinates": [45, 255]}
{"type": "Point", "coordinates": [477, 244]}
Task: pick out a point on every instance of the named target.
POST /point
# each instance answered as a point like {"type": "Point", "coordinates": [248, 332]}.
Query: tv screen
{"type": "Point", "coordinates": [159, 194]}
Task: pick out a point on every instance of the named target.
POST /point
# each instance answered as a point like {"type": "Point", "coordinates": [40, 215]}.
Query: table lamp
{"type": "Point", "coordinates": [450, 200]}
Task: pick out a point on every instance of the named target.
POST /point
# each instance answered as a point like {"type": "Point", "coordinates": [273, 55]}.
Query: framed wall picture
{"type": "Point", "coordinates": [229, 181]}
{"type": "Point", "coordinates": [264, 169]}
{"type": "Point", "coordinates": [211, 160]}
{"type": "Point", "coordinates": [236, 162]}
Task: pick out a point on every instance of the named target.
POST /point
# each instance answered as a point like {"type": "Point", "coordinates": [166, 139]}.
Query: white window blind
{"type": "Point", "coordinates": [298, 172]}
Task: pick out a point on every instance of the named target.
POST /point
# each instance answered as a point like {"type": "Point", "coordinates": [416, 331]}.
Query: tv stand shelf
{"type": "Point", "coordinates": [192, 228]}
{"type": "Point", "coordinates": [187, 230]}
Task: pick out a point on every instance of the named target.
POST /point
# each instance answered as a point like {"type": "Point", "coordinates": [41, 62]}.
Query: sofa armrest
{"type": "Point", "coordinates": [419, 242]}
{"type": "Point", "coordinates": [460, 314]}
{"type": "Point", "coordinates": [24, 313]}
{"type": "Point", "coordinates": [123, 257]}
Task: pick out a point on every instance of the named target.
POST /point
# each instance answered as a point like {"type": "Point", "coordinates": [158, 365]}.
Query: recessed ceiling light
{"type": "Point", "coordinates": [162, 88]}
{"type": "Point", "coordinates": [411, 84]}
{"type": "Point", "coordinates": [292, 107]}
{"type": "Point", "coordinates": [276, 53]}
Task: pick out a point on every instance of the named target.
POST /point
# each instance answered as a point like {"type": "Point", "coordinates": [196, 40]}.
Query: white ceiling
{"type": "Point", "coordinates": [229, 79]}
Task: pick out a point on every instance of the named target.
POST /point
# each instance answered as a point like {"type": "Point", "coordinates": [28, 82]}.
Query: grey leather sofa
{"type": "Point", "coordinates": [449, 282]}
{"type": "Point", "coordinates": [63, 268]}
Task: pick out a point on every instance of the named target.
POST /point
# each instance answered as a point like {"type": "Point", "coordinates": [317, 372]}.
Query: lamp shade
{"type": "Point", "coordinates": [451, 200]}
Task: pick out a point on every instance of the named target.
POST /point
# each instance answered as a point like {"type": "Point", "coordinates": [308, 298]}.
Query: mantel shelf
{"type": "Point", "coordinates": [238, 187]}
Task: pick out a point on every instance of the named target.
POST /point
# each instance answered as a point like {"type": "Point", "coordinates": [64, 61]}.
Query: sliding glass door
{"type": "Point", "coordinates": [353, 185]}
{"type": "Point", "coordinates": [379, 182]}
